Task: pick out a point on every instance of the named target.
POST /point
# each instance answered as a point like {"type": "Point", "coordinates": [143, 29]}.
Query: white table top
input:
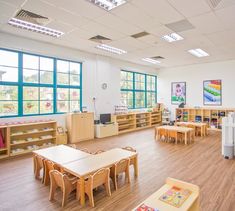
{"type": "Point", "coordinates": [61, 154]}
{"type": "Point", "coordinates": [93, 163]}
{"type": "Point", "coordinates": [178, 129]}
{"type": "Point", "coordinates": [197, 124]}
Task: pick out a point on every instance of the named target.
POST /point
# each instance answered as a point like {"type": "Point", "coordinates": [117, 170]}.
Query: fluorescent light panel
{"type": "Point", "coordinates": [107, 4]}
{"type": "Point", "coordinates": [34, 27]}
{"type": "Point", "coordinates": [111, 49]}
{"type": "Point", "coordinates": [172, 37]}
{"type": "Point", "coordinates": [198, 52]}
{"type": "Point", "coordinates": [153, 61]}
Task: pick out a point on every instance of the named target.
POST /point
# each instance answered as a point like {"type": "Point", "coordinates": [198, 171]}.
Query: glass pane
{"type": "Point", "coordinates": [8, 74]}
{"type": "Point", "coordinates": [46, 93]}
{"type": "Point", "coordinates": [62, 66]}
{"type": "Point", "coordinates": [46, 77]}
{"type": "Point", "coordinates": [139, 99]}
{"type": "Point", "coordinates": [74, 94]}
{"type": "Point", "coordinates": [75, 80]}
{"type": "Point", "coordinates": [74, 106]}
{"type": "Point", "coordinates": [30, 93]}
{"type": "Point", "coordinates": [75, 68]}
{"type": "Point", "coordinates": [46, 107]}
{"type": "Point", "coordinates": [30, 76]}
{"type": "Point", "coordinates": [126, 80]}
{"type": "Point", "coordinates": [127, 99]}
{"type": "Point", "coordinates": [62, 94]}
{"type": "Point", "coordinates": [8, 58]}
{"type": "Point", "coordinates": [151, 83]}
{"type": "Point", "coordinates": [8, 92]}
{"type": "Point", "coordinates": [62, 106]}
{"type": "Point", "coordinates": [46, 64]}
{"type": "Point", "coordinates": [30, 62]}
{"type": "Point", "coordinates": [30, 107]}
{"type": "Point", "coordinates": [8, 108]}
{"type": "Point", "coordinates": [62, 79]}
{"type": "Point", "coordinates": [151, 99]}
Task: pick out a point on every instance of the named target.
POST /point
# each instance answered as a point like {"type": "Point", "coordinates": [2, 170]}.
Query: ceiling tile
{"type": "Point", "coordinates": [227, 16]}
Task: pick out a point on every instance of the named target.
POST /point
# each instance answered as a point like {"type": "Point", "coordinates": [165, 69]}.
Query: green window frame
{"type": "Point", "coordinates": [36, 88]}
{"type": "Point", "coordinates": [138, 90]}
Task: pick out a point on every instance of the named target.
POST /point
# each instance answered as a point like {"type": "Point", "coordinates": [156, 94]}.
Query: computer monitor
{"type": "Point", "coordinates": [105, 118]}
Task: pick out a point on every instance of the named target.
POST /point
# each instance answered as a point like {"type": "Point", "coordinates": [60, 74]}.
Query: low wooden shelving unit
{"type": "Point", "coordinates": [24, 138]}
{"type": "Point", "coordinates": [211, 116]}
{"type": "Point", "coordinates": [136, 121]}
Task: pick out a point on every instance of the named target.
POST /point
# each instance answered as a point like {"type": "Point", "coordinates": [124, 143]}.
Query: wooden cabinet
{"type": "Point", "coordinates": [80, 126]}
{"type": "Point", "coordinates": [102, 131]}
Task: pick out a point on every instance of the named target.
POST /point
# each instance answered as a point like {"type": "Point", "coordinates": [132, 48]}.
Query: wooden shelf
{"type": "Point", "coordinates": [31, 142]}
{"type": "Point", "coordinates": [31, 133]}
{"type": "Point", "coordinates": [3, 149]}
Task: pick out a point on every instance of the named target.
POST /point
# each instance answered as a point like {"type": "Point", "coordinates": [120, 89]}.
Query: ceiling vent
{"type": "Point", "coordinates": [157, 57]}
{"type": "Point", "coordinates": [100, 39]}
{"type": "Point", "coordinates": [139, 35]}
{"type": "Point", "coordinates": [30, 17]}
{"type": "Point", "coordinates": [180, 26]}
{"type": "Point", "coordinates": [213, 3]}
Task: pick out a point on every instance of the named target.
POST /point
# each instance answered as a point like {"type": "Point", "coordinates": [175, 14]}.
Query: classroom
{"type": "Point", "coordinates": [122, 105]}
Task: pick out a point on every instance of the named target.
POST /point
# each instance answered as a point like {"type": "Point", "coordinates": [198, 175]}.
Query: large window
{"type": "Point", "coordinates": [138, 90]}
{"type": "Point", "coordinates": [35, 84]}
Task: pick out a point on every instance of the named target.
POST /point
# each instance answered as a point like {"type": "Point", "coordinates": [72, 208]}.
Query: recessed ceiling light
{"type": "Point", "coordinates": [198, 52]}
{"type": "Point", "coordinates": [172, 37]}
{"type": "Point", "coordinates": [107, 4]}
{"type": "Point", "coordinates": [34, 27]}
{"type": "Point", "coordinates": [153, 61]}
{"type": "Point", "coordinates": [111, 49]}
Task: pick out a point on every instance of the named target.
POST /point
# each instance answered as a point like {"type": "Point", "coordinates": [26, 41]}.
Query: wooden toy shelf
{"type": "Point", "coordinates": [135, 121]}
{"type": "Point", "coordinates": [211, 116]}
{"type": "Point", "coordinates": [24, 138]}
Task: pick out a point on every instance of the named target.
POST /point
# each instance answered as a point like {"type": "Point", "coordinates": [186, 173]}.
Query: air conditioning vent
{"type": "Point", "coordinates": [180, 26]}
{"type": "Point", "coordinates": [25, 15]}
{"type": "Point", "coordinates": [100, 39]}
{"type": "Point", "coordinates": [141, 34]}
{"type": "Point", "coordinates": [157, 57]}
{"type": "Point", "coordinates": [213, 3]}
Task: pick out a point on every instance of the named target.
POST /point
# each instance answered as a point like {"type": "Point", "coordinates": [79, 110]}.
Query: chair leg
{"type": "Point", "coordinates": [91, 198]}
{"type": "Point", "coordinates": [65, 197]}
{"type": "Point", "coordinates": [53, 187]}
{"type": "Point", "coordinates": [107, 188]}
{"type": "Point", "coordinates": [127, 175]}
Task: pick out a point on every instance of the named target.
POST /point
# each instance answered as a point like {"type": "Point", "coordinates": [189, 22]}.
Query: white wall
{"type": "Point", "coordinates": [96, 70]}
{"type": "Point", "coordinates": [194, 75]}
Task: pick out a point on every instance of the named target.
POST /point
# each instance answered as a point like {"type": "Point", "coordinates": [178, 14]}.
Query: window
{"type": "Point", "coordinates": [138, 90]}
{"type": "Point", "coordinates": [36, 85]}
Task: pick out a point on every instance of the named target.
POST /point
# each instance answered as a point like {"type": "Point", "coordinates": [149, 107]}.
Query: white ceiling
{"type": "Point", "coordinates": [80, 20]}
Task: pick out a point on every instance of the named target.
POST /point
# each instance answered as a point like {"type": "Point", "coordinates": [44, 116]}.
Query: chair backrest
{"type": "Point", "coordinates": [129, 149]}
{"type": "Point", "coordinates": [98, 152]}
{"type": "Point", "coordinates": [49, 165]}
{"type": "Point", "coordinates": [39, 161]}
{"type": "Point", "coordinates": [73, 146]}
{"type": "Point", "coordinates": [191, 126]}
{"type": "Point", "coordinates": [163, 132]}
{"type": "Point", "coordinates": [100, 177]}
{"type": "Point", "coordinates": [122, 165]}
{"type": "Point", "coordinates": [85, 150]}
{"type": "Point", "coordinates": [57, 178]}
{"type": "Point", "coordinates": [172, 133]}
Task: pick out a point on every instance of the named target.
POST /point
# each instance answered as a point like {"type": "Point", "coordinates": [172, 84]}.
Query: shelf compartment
{"type": "Point", "coordinates": [31, 142]}
{"type": "Point", "coordinates": [31, 133]}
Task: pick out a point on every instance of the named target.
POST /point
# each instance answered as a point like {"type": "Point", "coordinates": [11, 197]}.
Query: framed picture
{"type": "Point", "coordinates": [60, 130]}
{"type": "Point", "coordinates": [212, 92]}
{"type": "Point", "coordinates": [178, 93]}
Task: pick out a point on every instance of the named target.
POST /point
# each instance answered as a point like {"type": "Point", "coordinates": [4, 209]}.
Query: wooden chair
{"type": "Point", "coordinates": [98, 152]}
{"type": "Point", "coordinates": [120, 167]}
{"type": "Point", "coordinates": [66, 184]}
{"type": "Point", "coordinates": [173, 135]}
{"type": "Point", "coordinates": [132, 160]}
{"type": "Point", "coordinates": [101, 177]}
{"type": "Point", "coordinates": [162, 133]}
{"type": "Point", "coordinates": [82, 149]}
{"type": "Point", "coordinates": [49, 166]}
{"type": "Point", "coordinates": [38, 166]}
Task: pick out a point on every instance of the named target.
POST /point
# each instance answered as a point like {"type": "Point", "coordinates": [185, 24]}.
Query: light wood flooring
{"type": "Point", "coordinates": [200, 163]}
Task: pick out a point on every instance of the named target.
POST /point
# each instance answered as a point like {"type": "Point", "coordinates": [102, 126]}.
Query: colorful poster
{"type": "Point", "coordinates": [212, 92]}
{"type": "Point", "coordinates": [178, 92]}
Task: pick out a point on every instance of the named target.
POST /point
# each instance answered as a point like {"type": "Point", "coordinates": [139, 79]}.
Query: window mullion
{"type": "Point", "coordinates": [20, 84]}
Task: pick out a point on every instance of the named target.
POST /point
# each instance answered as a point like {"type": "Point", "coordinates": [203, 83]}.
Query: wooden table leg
{"type": "Point", "coordinates": [185, 138]}
{"type": "Point", "coordinates": [81, 189]}
{"type": "Point", "coordinates": [201, 131]}
{"type": "Point", "coordinates": [136, 166]}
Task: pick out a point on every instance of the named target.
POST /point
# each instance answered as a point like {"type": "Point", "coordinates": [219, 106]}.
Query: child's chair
{"type": "Point", "coordinates": [49, 166]}
{"type": "Point", "coordinates": [66, 184]}
{"type": "Point", "coordinates": [163, 134]}
{"type": "Point", "coordinates": [132, 160]}
{"type": "Point", "coordinates": [38, 166]}
{"type": "Point", "coordinates": [98, 152]}
{"type": "Point", "coordinates": [120, 167]}
{"type": "Point", "coordinates": [101, 177]}
{"type": "Point", "coordinates": [173, 136]}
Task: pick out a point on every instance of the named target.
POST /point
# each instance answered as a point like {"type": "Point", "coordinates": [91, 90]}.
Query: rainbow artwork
{"type": "Point", "coordinates": [212, 92]}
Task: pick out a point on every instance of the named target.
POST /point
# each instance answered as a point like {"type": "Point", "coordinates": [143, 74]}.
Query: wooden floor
{"type": "Point", "coordinates": [200, 163]}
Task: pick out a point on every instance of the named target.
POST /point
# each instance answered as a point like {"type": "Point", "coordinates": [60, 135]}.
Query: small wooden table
{"type": "Point", "coordinates": [191, 203]}
{"type": "Point", "coordinates": [202, 126]}
{"type": "Point", "coordinates": [84, 167]}
{"type": "Point", "coordinates": [184, 130]}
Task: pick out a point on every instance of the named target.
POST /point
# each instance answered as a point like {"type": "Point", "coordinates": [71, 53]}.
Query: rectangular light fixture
{"type": "Point", "coordinates": [172, 37]}
{"type": "Point", "coordinates": [107, 4]}
{"type": "Point", "coordinates": [198, 52]}
{"type": "Point", "coordinates": [111, 49]}
{"type": "Point", "coordinates": [34, 27]}
{"type": "Point", "coordinates": [153, 61]}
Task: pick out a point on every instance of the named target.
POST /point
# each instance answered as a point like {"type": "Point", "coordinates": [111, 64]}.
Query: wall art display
{"type": "Point", "coordinates": [212, 92]}
{"type": "Point", "coordinates": [178, 93]}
